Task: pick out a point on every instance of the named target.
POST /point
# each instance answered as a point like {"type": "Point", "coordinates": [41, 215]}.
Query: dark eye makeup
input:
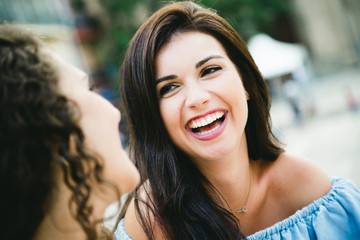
{"type": "Point", "coordinates": [171, 86]}
{"type": "Point", "coordinates": [167, 88]}
{"type": "Point", "coordinates": [209, 70]}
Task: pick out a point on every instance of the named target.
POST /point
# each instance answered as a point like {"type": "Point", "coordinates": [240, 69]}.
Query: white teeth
{"type": "Point", "coordinates": [203, 122]}
{"type": "Point", "coordinates": [193, 125]}
{"type": "Point", "coordinates": [208, 132]}
{"type": "Point", "coordinates": [200, 122]}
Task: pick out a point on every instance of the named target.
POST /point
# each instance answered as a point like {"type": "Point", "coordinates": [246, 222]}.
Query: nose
{"type": "Point", "coordinates": [196, 96]}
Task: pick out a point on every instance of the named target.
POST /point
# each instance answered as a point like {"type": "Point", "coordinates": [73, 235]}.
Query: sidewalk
{"type": "Point", "coordinates": [331, 137]}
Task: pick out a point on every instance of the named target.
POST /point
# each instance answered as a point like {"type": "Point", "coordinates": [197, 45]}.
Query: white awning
{"type": "Point", "coordinates": [275, 58]}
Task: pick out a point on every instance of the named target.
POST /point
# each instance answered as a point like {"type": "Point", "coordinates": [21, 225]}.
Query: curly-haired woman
{"type": "Point", "coordinates": [61, 160]}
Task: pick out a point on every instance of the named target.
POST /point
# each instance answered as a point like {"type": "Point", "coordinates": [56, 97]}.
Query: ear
{"type": "Point", "coordinates": [247, 95]}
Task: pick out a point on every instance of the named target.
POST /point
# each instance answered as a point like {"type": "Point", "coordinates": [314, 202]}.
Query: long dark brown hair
{"type": "Point", "coordinates": [179, 193]}
{"type": "Point", "coordinates": [37, 123]}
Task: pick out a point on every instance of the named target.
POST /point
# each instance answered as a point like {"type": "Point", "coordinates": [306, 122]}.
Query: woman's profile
{"type": "Point", "coordinates": [201, 136]}
{"type": "Point", "coordinates": [61, 159]}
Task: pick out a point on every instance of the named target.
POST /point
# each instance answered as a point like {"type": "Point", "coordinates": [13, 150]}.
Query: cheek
{"type": "Point", "coordinates": [233, 89]}
{"type": "Point", "coordinates": [170, 112]}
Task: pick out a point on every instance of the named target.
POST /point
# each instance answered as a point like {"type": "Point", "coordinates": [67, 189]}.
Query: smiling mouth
{"type": "Point", "coordinates": [208, 124]}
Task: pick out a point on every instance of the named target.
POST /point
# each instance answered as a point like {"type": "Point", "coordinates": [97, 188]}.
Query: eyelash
{"type": "Point", "coordinates": [167, 88]}
{"type": "Point", "coordinates": [170, 86]}
{"type": "Point", "coordinates": [209, 70]}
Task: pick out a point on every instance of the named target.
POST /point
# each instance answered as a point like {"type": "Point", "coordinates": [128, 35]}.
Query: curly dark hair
{"type": "Point", "coordinates": [37, 123]}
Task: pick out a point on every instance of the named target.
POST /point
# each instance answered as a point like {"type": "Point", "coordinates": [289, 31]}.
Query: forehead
{"type": "Point", "coordinates": [69, 77]}
{"type": "Point", "coordinates": [190, 43]}
{"type": "Point", "coordinates": [190, 46]}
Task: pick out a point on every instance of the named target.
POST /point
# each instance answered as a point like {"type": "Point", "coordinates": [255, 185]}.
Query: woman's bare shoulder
{"type": "Point", "coordinates": [298, 181]}
{"type": "Point", "coordinates": [132, 224]}
{"type": "Point", "coordinates": [132, 221]}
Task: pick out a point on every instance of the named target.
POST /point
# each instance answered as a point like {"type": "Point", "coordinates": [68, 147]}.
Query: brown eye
{"type": "Point", "coordinates": [167, 88]}
{"type": "Point", "coordinates": [210, 70]}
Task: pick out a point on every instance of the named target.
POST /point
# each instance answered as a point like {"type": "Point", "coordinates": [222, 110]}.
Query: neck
{"type": "Point", "coordinates": [52, 229]}
{"type": "Point", "coordinates": [59, 223]}
{"type": "Point", "coordinates": [230, 175]}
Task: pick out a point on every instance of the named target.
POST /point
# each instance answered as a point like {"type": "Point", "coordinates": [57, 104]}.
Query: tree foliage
{"type": "Point", "coordinates": [122, 19]}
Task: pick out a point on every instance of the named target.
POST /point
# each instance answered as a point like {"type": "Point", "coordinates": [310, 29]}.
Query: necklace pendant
{"type": "Point", "coordinates": [244, 209]}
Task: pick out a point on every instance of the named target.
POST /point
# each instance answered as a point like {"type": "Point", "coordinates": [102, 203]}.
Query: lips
{"type": "Point", "coordinates": [208, 126]}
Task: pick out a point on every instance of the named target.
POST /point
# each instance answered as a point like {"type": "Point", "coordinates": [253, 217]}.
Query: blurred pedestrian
{"type": "Point", "coordinates": [292, 94]}
{"type": "Point", "coordinates": [351, 101]}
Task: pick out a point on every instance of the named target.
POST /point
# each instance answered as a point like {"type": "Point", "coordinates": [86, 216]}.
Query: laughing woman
{"type": "Point", "coordinates": [198, 111]}
{"type": "Point", "coordinates": [61, 161]}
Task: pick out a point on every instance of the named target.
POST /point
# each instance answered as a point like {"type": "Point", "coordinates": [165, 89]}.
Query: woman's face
{"type": "Point", "coordinates": [202, 99]}
{"type": "Point", "coordinates": [99, 122]}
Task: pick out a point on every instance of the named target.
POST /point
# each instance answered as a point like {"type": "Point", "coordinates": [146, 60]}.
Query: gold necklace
{"type": "Point", "coordinates": [244, 208]}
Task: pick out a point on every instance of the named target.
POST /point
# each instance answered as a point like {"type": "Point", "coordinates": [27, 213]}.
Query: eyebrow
{"type": "Point", "coordinates": [165, 78]}
{"type": "Point", "coordinates": [202, 62]}
{"type": "Point", "coordinates": [197, 65]}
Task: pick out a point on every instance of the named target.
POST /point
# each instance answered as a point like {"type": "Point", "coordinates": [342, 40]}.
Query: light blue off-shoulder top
{"type": "Point", "coordinates": [333, 216]}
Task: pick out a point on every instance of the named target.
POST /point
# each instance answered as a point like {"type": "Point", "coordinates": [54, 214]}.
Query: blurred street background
{"type": "Point", "coordinates": [330, 134]}
{"type": "Point", "coordinates": [308, 52]}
